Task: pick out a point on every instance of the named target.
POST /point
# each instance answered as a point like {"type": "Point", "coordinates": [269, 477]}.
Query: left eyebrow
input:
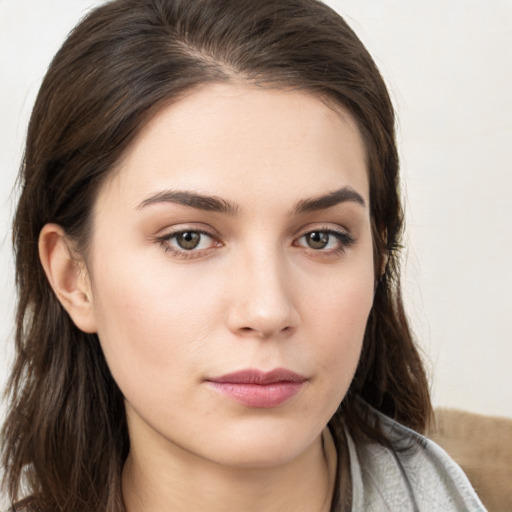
{"type": "Point", "coordinates": [345, 194]}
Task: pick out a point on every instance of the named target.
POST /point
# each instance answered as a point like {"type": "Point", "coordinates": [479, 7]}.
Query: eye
{"type": "Point", "coordinates": [188, 242]}
{"type": "Point", "coordinates": [326, 240]}
{"type": "Point", "coordinates": [317, 239]}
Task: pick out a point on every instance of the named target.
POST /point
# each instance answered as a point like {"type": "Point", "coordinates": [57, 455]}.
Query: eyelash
{"type": "Point", "coordinates": [345, 241]}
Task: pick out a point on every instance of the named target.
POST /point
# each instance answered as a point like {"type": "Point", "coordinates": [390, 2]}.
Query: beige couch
{"type": "Point", "coordinates": [482, 446]}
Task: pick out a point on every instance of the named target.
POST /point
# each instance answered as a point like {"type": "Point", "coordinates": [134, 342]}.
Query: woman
{"type": "Point", "coordinates": [207, 266]}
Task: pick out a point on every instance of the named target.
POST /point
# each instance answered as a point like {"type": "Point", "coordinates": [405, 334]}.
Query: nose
{"type": "Point", "coordinates": [262, 303]}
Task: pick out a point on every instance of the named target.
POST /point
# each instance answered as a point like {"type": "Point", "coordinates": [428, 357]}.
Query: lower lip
{"type": "Point", "coordinates": [263, 396]}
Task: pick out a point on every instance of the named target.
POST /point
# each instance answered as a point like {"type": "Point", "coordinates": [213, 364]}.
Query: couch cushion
{"type": "Point", "coordinates": [482, 446]}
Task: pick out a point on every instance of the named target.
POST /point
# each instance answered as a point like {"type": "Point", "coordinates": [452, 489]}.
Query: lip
{"type": "Point", "coordinates": [258, 389]}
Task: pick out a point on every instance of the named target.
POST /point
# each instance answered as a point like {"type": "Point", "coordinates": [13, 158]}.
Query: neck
{"type": "Point", "coordinates": [184, 483]}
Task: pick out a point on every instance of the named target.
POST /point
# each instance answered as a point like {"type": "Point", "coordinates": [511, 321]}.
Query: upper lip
{"type": "Point", "coordinates": [253, 376]}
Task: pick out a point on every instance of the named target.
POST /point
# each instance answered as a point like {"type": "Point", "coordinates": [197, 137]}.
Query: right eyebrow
{"type": "Point", "coordinates": [193, 200]}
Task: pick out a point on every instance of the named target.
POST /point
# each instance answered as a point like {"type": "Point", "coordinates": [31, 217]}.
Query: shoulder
{"type": "Point", "coordinates": [412, 473]}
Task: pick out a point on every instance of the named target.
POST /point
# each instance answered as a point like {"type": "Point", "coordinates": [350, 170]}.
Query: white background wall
{"type": "Point", "coordinates": [448, 64]}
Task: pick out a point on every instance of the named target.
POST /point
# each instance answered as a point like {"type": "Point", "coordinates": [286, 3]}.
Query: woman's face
{"type": "Point", "coordinates": [232, 275]}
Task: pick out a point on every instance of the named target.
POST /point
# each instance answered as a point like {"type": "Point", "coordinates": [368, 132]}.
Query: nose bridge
{"type": "Point", "coordinates": [262, 303]}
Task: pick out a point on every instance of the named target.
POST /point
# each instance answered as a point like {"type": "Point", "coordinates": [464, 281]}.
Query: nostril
{"type": "Point", "coordinates": [256, 332]}
{"type": "Point", "coordinates": [265, 334]}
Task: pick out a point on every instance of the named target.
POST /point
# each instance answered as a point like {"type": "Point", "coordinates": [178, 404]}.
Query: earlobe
{"type": "Point", "coordinates": [67, 276]}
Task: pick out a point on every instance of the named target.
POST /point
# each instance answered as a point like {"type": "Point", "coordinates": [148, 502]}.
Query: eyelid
{"type": "Point", "coordinates": [324, 227]}
{"type": "Point", "coordinates": [165, 238]}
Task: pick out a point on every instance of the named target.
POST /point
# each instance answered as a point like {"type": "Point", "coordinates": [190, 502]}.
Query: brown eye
{"type": "Point", "coordinates": [188, 243]}
{"type": "Point", "coordinates": [317, 239]}
{"type": "Point", "coordinates": [325, 241]}
{"type": "Point", "coordinates": [188, 240]}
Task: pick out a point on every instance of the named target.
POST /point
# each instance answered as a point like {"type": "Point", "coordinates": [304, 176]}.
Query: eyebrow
{"type": "Point", "coordinates": [219, 205]}
{"type": "Point", "coordinates": [343, 195]}
{"type": "Point", "coordinates": [193, 200]}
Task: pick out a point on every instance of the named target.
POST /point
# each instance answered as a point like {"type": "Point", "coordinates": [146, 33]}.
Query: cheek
{"type": "Point", "coordinates": [150, 321]}
{"type": "Point", "coordinates": [342, 301]}
{"type": "Point", "coordinates": [338, 315]}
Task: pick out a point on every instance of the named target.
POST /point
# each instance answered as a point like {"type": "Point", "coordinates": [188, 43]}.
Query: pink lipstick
{"type": "Point", "coordinates": [258, 389]}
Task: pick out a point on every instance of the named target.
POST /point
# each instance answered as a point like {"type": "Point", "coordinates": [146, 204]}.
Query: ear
{"type": "Point", "coordinates": [68, 276]}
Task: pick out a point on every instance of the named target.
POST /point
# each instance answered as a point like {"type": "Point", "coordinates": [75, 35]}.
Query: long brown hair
{"type": "Point", "coordinates": [65, 438]}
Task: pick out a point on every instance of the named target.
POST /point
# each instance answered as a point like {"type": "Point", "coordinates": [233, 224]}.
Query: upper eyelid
{"type": "Point", "coordinates": [171, 231]}
{"type": "Point", "coordinates": [332, 228]}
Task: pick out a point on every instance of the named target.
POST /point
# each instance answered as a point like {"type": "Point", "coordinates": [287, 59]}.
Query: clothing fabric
{"type": "Point", "coordinates": [416, 476]}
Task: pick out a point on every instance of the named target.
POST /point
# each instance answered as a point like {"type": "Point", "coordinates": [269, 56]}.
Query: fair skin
{"type": "Point", "coordinates": [274, 272]}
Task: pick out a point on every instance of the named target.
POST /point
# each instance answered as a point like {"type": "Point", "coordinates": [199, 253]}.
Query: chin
{"type": "Point", "coordinates": [262, 447]}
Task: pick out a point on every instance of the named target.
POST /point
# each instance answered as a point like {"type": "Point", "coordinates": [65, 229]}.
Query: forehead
{"type": "Point", "coordinates": [242, 139]}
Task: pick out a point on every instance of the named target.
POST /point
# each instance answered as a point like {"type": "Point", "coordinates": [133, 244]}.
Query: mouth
{"type": "Point", "coordinates": [258, 389]}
